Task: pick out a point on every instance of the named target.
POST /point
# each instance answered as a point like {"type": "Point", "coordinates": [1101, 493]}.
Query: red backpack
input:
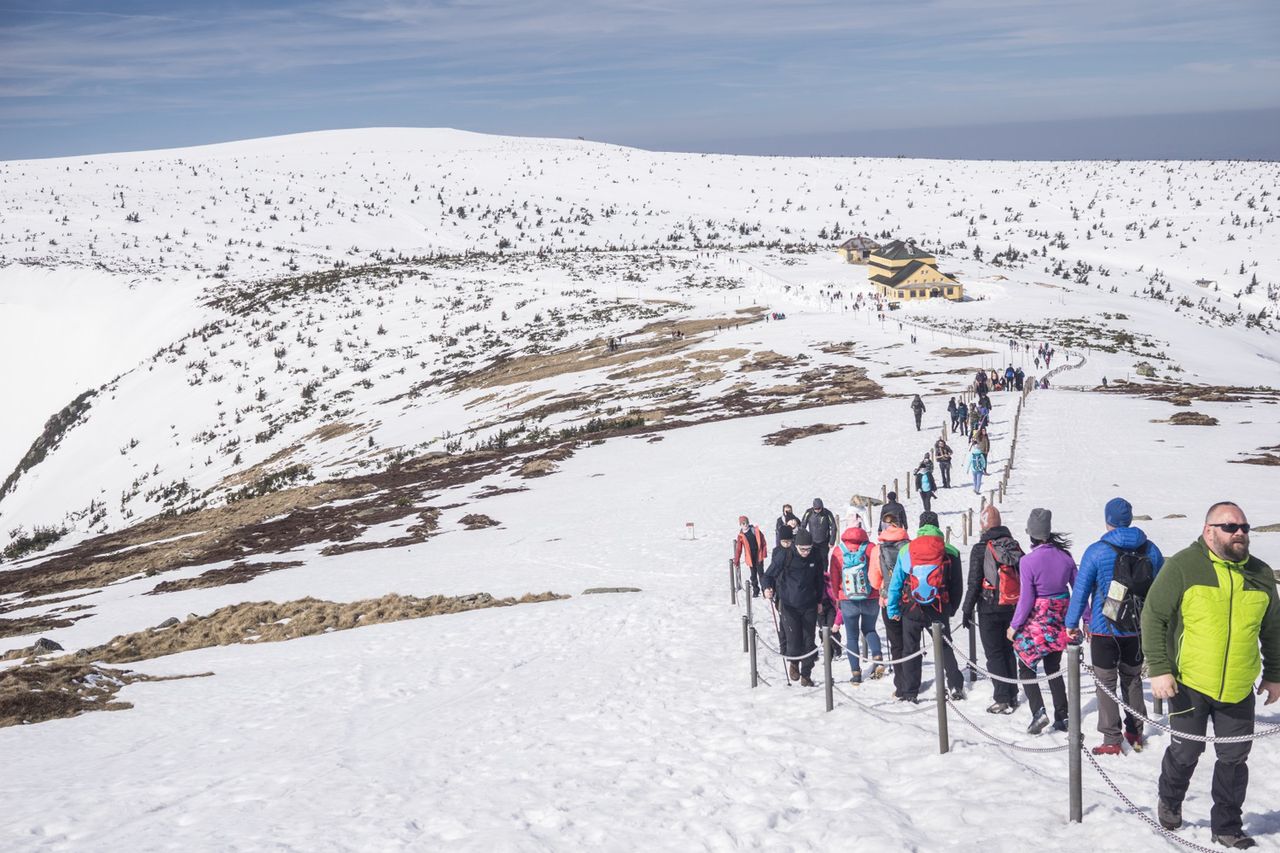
{"type": "Point", "coordinates": [1001, 581]}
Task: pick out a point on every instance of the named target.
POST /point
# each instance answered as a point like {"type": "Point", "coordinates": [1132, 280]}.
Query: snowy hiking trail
{"type": "Point", "coordinates": [621, 721]}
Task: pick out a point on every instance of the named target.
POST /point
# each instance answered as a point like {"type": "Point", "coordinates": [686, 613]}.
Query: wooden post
{"type": "Point", "coordinates": [908, 487]}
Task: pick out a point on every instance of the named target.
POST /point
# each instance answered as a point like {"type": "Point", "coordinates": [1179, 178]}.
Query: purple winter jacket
{"type": "Point", "coordinates": [1045, 571]}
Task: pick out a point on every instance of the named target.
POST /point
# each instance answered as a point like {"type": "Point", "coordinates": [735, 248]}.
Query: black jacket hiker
{"type": "Point", "coordinates": [993, 620]}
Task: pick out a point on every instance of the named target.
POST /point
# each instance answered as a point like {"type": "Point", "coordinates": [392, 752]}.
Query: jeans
{"type": "Point", "coordinates": [1190, 712]}
{"type": "Point", "coordinates": [944, 469]}
{"type": "Point", "coordinates": [977, 482]}
{"type": "Point", "coordinates": [860, 620]}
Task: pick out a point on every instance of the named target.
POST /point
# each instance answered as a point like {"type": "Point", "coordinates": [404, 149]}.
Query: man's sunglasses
{"type": "Point", "coordinates": [1231, 527]}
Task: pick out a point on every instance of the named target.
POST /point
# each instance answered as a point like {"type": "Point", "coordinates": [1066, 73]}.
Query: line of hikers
{"type": "Point", "coordinates": [1206, 622]}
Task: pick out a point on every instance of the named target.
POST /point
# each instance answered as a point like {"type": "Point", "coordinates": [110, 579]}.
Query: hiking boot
{"type": "Point", "coordinates": [1134, 737]}
{"type": "Point", "coordinates": [1235, 842]}
{"type": "Point", "coordinates": [879, 669]}
{"type": "Point", "coordinates": [999, 708]}
{"type": "Point", "coordinates": [1039, 722]}
{"type": "Point", "coordinates": [957, 695]}
{"type": "Point", "coordinates": [856, 678]}
{"type": "Point", "coordinates": [1060, 725]}
{"type": "Point", "coordinates": [1170, 814]}
{"type": "Point", "coordinates": [1108, 749]}
{"type": "Point", "coordinates": [806, 681]}
{"type": "Point", "coordinates": [793, 671]}
{"type": "Point", "coordinates": [913, 700]}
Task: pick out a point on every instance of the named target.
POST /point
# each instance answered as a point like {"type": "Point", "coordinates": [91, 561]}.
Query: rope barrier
{"type": "Point", "coordinates": [1060, 748]}
{"type": "Point", "coordinates": [1044, 679]}
{"type": "Point", "coordinates": [1142, 815]}
{"type": "Point", "coordinates": [1274, 730]}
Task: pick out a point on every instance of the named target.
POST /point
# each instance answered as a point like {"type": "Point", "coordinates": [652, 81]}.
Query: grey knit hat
{"type": "Point", "coordinates": [1040, 524]}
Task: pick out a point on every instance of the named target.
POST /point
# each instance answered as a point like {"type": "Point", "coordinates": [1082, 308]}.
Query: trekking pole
{"type": "Point", "coordinates": [1157, 705]}
{"type": "Point", "coordinates": [733, 585]}
{"type": "Point", "coordinates": [755, 673]}
{"type": "Point", "coordinates": [826, 666]}
{"type": "Point", "coordinates": [973, 655]}
{"type": "Point", "coordinates": [908, 485]}
{"type": "Point", "coordinates": [940, 689]}
{"type": "Point", "coordinates": [1075, 741]}
{"type": "Point", "coordinates": [782, 647]}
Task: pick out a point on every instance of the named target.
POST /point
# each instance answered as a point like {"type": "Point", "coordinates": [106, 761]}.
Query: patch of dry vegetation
{"type": "Point", "coordinates": [961, 352]}
{"type": "Point", "coordinates": [783, 437]}
{"type": "Point", "coordinates": [35, 692]}
{"type": "Point", "coordinates": [239, 572]}
{"type": "Point", "coordinates": [269, 622]}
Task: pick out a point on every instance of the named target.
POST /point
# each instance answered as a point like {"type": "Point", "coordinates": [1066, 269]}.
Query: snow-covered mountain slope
{"type": "Point", "coordinates": [300, 371]}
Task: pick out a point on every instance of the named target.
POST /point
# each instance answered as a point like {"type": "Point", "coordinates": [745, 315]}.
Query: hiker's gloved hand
{"type": "Point", "coordinates": [966, 621]}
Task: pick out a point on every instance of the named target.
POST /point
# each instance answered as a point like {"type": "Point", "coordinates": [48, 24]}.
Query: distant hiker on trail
{"type": "Point", "coordinates": [926, 588]}
{"type": "Point", "coordinates": [787, 520]}
{"type": "Point", "coordinates": [917, 408]}
{"type": "Point", "coordinates": [951, 412]}
{"type": "Point", "coordinates": [1019, 377]}
{"type": "Point", "coordinates": [993, 590]}
{"type": "Point", "coordinates": [884, 556]}
{"type": "Point", "coordinates": [1037, 628]}
{"type": "Point", "coordinates": [942, 454]}
{"type": "Point", "coordinates": [975, 418]}
{"type": "Point", "coordinates": [1210, 625]}
{"type": "Point", "coordinates": [1123, 555]}
{"type": "Point", "coordinates": [799, 578]}
{"type": "Point", "coordinates": [849, 576]}
{"type": "Point", "coordinates": [962, 419]}
{"type": "Point", "coordinates": [980, 382]}
{"type": "Point", "coordinates": [785, 545]}
{"type": "Point", "coordinates": [892, 507]}
{"type": "Point", "coordinates": [1104, 382]}
{"type": "Point", "coordinates": [925, 482]}
{"type": "Point", "coordinates": [750, 544]}
{"type": "Point", "coordinates": [977, 466]}
{"type": "Point", "coordinates": [1009, 375]}
{"type": "Point", "coordinates": [822, 527]}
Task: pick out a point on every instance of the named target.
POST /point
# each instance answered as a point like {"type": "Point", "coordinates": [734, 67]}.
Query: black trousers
{"type": "Point", "coordinates": [915, 625]}
{"type": "Point", "coordinates": [944, 469]}
{"type": "Point", "coordinates": [926, 498]}
{"type": "Point", "coordinates": [1057, 687]}
{"type": "Point", "coordinates": [993, 628]}
{"type": "Point", "coordinates": [1190, 711]}
{"type": "Point", "coordinates": [918, 416]}
{"type": "Point", "coordinates": [798, 625]}
{"type": "Point", "coordinates": [757, 572]}
{"type": "Point", "coordinates": [893, 631]}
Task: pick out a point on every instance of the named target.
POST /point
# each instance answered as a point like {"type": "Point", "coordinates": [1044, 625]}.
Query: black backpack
{"type": "Point", "coordinates": [1130, 583]}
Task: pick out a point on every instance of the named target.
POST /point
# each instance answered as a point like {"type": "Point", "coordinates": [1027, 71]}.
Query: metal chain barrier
{"type": "Point", "coordinates": [1142, 815]}
{"type": "Point", "coordinates": [1274, 730]}
{"type": "Point", "coordinates": [841, 649]}
{"type": "Point", "coordinates": [952, 705]}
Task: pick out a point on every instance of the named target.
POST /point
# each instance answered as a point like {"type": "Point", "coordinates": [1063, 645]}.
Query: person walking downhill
{"type": "Point", "coordinates": [892, 507]}
{"type": "Point", "coordinates": [917, 408]}
{"type": "Point", "coordinates": [1125, 556]}
{"type": "Point", "coordinates": [786, 524]}
{"type": "Point", "coordinates": [750, 544]}
{"type": "Point", "coordinates": [983, 441]}
{"type": "Point", "coordinates": [798, 578]}
{"type": "Point", "coordinates": [858, 599]}
{"type": "Point", "coordinates": [926, 485]}
{"type": "Point", "coordinates": [1210, 625]}
{"type": "Point", "coordinates": [926, 585]}
{"type": "Point", "coordinates": [942, 454]}
{"type": "Point", "coordinates": [952, 408]}
{"type": "Point", "coordinates": [962, 418]}
{"type": "Point", "coordinates": [993, 590]}
{"type": "Point", "coordinates": [977, 466]}
{"type": "Point", "coordinates": [975, 417]}
{"type": "Point", "coordinates": [822, 527]}
{"type": "Point", "coordinates": [1037, 629]}
{"type": "Point", "coordinates": [893, 540]}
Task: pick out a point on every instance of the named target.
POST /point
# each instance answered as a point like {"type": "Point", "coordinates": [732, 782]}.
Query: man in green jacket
{"type": "Point", "coordinates": [1210, 624]}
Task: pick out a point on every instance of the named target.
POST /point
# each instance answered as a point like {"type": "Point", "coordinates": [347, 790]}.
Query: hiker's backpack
{"type": "Point", "coordinates": [1001, 581]}
{"type": "Point", "coordinates": [926, 481]}
{"type": "Point", "coordinates": [927, 579]}
{"type": "Point", "coordinates": [825, 524]}
{"type": "Point", "coordinates": [1130, 582]}
{"type": "Point", "coordinates": [853, 574]}
{"type": "Point", "coordinates": [888, 560]}
{"type": "Point", "coordinates": [978, 460]}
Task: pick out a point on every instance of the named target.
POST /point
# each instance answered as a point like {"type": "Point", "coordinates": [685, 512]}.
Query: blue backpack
{"type": "Point", "coordinates": [926, 481]}
{"type": "Point", "coordinates": [853, 574]}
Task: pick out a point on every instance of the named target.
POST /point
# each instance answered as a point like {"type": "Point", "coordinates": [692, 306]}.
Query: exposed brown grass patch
{"type": "Point", "coordinates": [477, 521]}
{"type": "Point", "coordinates": [783, 437]}
{"type": "Point", "coordinates": [961, 352]}
{"type": "Point", "coordinates": [1189, 419]}
{"type": "Point", "coordinates": [37, 692]}
{"type": "Point", "coordinates": [35, 624]}
{"type": "Point", "coordinates": [1262, 456]}
{"type": "Point", "coordinates": [269, 622]}
{"type": "Point", "coordinates": [240, 572]}
{"type": "Point", "coordinates": [328, 432]}
{"type": "Point", "coordinates": [768, 360]}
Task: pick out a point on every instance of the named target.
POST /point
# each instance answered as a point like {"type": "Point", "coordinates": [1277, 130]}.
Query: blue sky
{"type": "Point", "coordinates": [788, 76]}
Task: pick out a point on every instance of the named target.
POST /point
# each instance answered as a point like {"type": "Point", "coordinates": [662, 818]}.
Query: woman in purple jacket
{"type": "Point", "coordinates": [1037, 629]}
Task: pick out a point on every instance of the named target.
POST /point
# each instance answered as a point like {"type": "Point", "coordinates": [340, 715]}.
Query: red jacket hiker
{"type": "Point", "coordinates": [751, 544]}
{"type": "Point", "coordinates": [853, 538]}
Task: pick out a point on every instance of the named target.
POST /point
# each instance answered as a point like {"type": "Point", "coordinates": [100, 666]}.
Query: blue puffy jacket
{"type": "Point", "coordinates": [1096, 567]}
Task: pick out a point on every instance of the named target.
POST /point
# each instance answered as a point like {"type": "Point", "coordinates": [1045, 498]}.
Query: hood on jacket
{"type": "Point", "coordinates": [993, 533]}
{"type": "Point", "coordinates": [817, 504]}
{"type": "Point", "coordinates": [1125, 537]}
{"type": "Point", "coordinates": [853, 537]}
{"type": "Point", "coordinates": [894, 534]}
